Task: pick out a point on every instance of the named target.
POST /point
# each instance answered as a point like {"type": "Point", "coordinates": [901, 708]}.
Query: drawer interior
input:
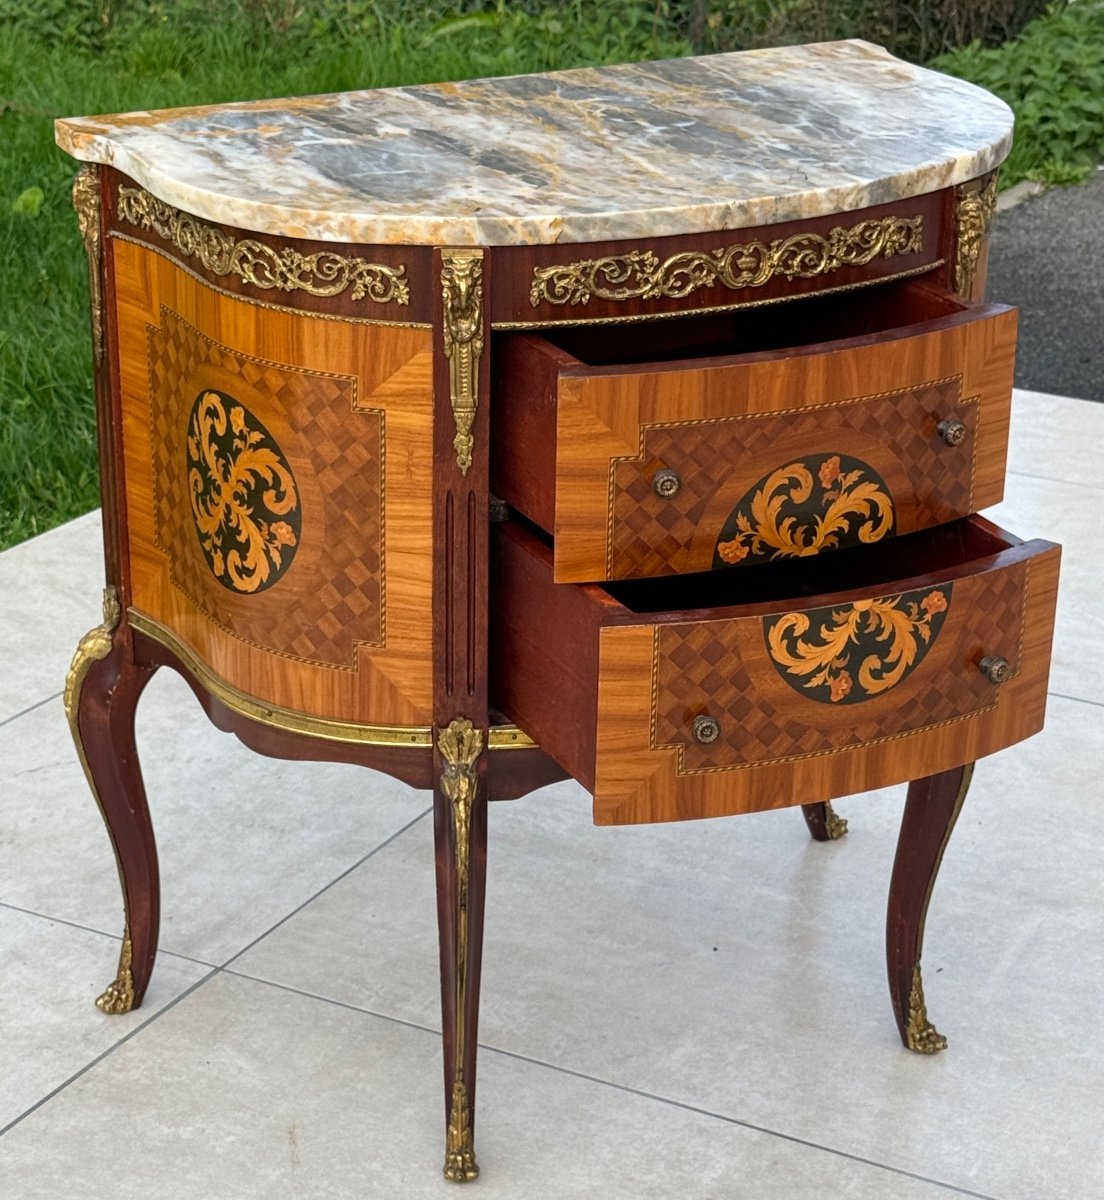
{"type": "Point", "coordinates": [929, 551]}
{"type": "Point", "coordinates": [867, 311]}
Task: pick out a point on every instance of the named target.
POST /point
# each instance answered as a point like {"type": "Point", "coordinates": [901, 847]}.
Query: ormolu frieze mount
{"type": "Point", "coordinates": [324, 273]}
{"type": "Point", "coordinates": [640, 275]}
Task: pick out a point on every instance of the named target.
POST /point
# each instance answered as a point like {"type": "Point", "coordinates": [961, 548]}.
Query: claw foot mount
{"type": "Point", "coordinates": [921, 1035]}
{"type": "Point", "coordinates": [118, 997]}
{"type": "Point", "coordinates": [460, 1164]}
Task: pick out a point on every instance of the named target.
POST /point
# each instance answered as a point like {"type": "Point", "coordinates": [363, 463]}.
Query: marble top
{"type": "Point", "coordinates": [684, 145]}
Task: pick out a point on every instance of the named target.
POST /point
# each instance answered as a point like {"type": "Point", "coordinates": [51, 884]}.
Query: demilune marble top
{"type": "Point", "coordinates": [683, 145]}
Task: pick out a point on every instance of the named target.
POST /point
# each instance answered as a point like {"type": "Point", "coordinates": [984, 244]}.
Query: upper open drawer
{"type": "Point", "coordinates": [681, 445]}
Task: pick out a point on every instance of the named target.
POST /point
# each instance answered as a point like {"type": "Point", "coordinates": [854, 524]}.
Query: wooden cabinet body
{"type": "Point", "coordinates": [688, 517]}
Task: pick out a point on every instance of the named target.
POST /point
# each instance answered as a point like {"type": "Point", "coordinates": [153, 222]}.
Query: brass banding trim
{"type": "Point", "coordinates": [636, 318]}
{"type": "Point", "coordinates": [500, 737]}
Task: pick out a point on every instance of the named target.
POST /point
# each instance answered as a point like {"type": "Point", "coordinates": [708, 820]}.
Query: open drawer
{"type": "Point", "coordinates": [735, 691]}
{"type": "Point", "coordinates": [680, 445]}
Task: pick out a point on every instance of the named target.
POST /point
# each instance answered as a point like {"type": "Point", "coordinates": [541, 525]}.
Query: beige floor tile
{"type": "Point", "coordinates": [52, 587]}
{"type": "Point", "coordinates": [243, 840]}
{"type": "Point", "coordinates": [737, 966]}
{"type": "Point", "coordinates": [246, 1091]}
{"type": "Point", "coordinates": [1067, 513]}
{"type": "Point", "coordinates": [1057, 437]}
{"type": "Point", "coordinates": [49, 1026]}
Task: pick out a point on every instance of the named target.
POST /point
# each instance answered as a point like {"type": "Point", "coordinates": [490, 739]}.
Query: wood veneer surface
{"type": "Point", "coordinates": [350, 406]}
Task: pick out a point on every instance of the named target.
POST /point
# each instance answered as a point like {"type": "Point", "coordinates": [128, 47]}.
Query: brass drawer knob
{"type": "Point", "coordinates": [996, 669]}
{"type": "Point", "coordinates": [666, 483]}
{"type": "Point", "coordinates": [706, 730]}
{"type": "Point", "coordinates": [952, 431]}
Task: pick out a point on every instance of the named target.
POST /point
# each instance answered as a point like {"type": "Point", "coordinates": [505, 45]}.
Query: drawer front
{"type": "Point", "coordinates": [807, 703]}
{"type": "Point", "coordinates": [675, 468]}
{"type": "Point", "coordinates": [764, 486]}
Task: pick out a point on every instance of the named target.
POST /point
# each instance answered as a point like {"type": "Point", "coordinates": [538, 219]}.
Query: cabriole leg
{"type": "Point", "coordinates": [825, 824]}
{"type": "Point", "coordinates": [460, 835]}
{"type": "Point", "coordinates": [101, 695]}
{"type": "Point", "coordinates": [931, 810]}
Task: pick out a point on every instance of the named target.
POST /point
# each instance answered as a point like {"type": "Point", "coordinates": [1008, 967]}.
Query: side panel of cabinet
{"type": "Point", "coordinates": [278, 473]}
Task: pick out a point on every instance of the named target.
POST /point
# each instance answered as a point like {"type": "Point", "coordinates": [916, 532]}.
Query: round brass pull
{"type": "Point", "coordinates": [666, 483]}
{"type": "Point", "coordinates": [952, 431]}
{"type": "Point", "coordinates": [995, 668]}
{"type": "Point", "coordinates": [706, 729]}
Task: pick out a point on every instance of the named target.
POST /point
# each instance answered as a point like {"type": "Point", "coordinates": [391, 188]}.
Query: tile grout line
{"type": "Point", "coordinates": [367, 1012]}
{"type": "Point", "coordinates": [1090, 487]}
{"type": "Point", "coordinates": [30, 912]}
{"type": "Point", "coordinates": [705, 1112]}
{"type": "Point", "coordinates": [333, 882]}
{"type": "Point", "coordinates": [215, 970]}
{"type": "Point", "coordinates": [110, 1050]}
{"type": "Point", "coordinates": [37, 704]}
{"type": "Point", "coordinates": [1077, 699]}
{"type": "Point", "coordinates": [620, 1087]}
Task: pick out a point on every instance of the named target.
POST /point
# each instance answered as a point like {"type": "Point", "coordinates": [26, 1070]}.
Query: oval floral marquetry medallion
{"type": "Point", "coordinates": [820, 502]}
{"type": "Point", "coordinates": [842, 655]}
{"type": "Point", "coordinates": [244, 500]}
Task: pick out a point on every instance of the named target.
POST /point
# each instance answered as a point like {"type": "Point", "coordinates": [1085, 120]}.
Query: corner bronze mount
{"type": "Point", "coordinates": [640, 275]}
{"type": "Point", "coordinates": [460, 745]}
{"type": "Point", "coordinates": [88, 206]}
{"type": "Point", "coordinates": [324, 273]}
{"type": "Point", "coordinates": [94, 646]}
{"type": "Point", "coordinates": [975, 204]}
{"type": "Point", "coordinates": [462, 293]}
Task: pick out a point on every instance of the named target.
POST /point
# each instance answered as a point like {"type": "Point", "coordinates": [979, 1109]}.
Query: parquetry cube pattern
{"type": "Point", "coordinates": [333, 595]}
{"type": "Point", "coordinates": [706, 668]}
{"type": "Point", "coordinates": [650, 535]}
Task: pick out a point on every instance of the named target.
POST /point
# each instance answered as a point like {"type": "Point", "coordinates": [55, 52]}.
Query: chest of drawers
{"type": "Point", "coordinates": [627, 424]}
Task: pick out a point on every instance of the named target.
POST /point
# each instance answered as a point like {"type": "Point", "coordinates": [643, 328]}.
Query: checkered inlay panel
{"type": "Point", "coordinates": [722, 669]}
{"type": "Point", "coordinates": [332, 596]}
{"type": "Point", "coordinates": [650, 535]}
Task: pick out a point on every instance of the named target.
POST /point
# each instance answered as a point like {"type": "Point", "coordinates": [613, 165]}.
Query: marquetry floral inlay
{"type": "Point", "coordinates": [820, 502]}
{"type": "Point", "coordinates": [858, 651]}
{"type": "Point", "coordinates": [244, 501]}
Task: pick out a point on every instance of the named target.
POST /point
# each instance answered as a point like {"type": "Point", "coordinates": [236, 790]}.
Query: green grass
{"type": "Point", "coordinates": [67, 57]}
{"type": "Point", "coordinates": [1053, 78]}
{"type": "Point", "coordinates": [48, 468]}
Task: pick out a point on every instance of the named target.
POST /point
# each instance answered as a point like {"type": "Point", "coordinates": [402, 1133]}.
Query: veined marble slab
{"type": "Point", "coordinates": [641, 150]}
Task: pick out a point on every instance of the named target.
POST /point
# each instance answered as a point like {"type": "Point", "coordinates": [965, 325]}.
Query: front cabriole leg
{"type": "Point", "coordinates": [101, 695]}
{"type": "Point", "coordinates": [931, 810]}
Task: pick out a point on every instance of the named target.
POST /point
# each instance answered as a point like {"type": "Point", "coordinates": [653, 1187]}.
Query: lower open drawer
{"type": "Point", "coordinates": [734, 691]}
